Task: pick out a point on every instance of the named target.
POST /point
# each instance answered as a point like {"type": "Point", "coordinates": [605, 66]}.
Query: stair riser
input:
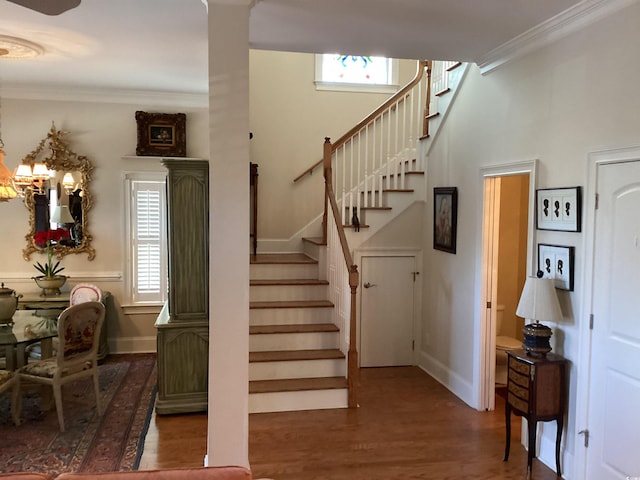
{"type": "Point", "coordinates": [260, 293]}
{"type": "Point", "coordinates": [282, 271]}
{"type": "Point", "coordinates": [293, 341]}
{"type": "Point", "coordinates": [296, 369]}
{"type": "Point", "coordinates": [296, 401]}
{"type": "Point", "coordinates": [289, 316]}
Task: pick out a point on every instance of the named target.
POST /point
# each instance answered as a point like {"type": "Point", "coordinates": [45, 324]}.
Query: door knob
{"type": "Point", "coordinates": [369, 285]}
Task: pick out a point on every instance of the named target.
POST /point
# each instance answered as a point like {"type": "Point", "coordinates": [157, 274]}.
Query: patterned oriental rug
{"type": "Point", "coordinates": [90, 443]}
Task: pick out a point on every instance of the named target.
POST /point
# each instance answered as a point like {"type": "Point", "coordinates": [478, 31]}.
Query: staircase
{"type": "Point", "coordinates": [299, 323]}
{"type": "Point", "coordinates": [295, 362]}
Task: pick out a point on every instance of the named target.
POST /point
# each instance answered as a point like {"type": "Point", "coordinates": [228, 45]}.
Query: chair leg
{"type": "Point", "coordinates": [16, 403]}
{"type": "Point", "coordinates": [96, 388]}
{"type": "Point", "coordinates": [57, 394]}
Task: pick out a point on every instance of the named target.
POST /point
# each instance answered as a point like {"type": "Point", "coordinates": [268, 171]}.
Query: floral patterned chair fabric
{"type": "Point", "coordinates": [85, 292]}
{"type": "Point", "coordinates": [77, 356]}
{"type": "Point", "coordinates": [9, 382]}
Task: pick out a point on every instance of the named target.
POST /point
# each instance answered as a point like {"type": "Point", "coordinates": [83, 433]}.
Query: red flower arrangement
{"type": "Point", "coordinates": [46, 238]}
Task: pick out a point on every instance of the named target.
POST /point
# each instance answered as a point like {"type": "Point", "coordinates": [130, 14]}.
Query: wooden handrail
{"type": "Point", "coordinates": [422, 64]}
{"type": "Point", "coordinates": [354, 276]}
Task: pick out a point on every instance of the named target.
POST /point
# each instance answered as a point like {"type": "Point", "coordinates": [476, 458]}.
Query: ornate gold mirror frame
{"type": "Point", "coordinates": [60, 159]}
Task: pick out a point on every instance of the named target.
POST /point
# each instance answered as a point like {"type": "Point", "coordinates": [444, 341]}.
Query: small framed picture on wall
{"type": "Point", "coordinates": [556, 262]}
{"type": "Point", "coordinates": [559, 209]}
{"type": "Point", "coordinates": [445, 218]}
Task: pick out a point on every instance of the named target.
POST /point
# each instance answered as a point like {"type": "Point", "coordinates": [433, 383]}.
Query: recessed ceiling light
{"type": "Point", "coordinates": [14, 47]}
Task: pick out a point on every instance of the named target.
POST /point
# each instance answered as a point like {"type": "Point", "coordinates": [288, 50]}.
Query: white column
{"type": "Point", "coordinates": [228, 421]}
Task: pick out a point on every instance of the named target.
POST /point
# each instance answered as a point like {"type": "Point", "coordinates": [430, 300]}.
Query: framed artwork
{"type": "Point", "coordinates": [161, 134]}
{"type": "Point", "coordinates": [445, 218]}
{"type": "Point", "coordinates": [556, 262]}
{"type": "Point", "coordinates": [559, 209]}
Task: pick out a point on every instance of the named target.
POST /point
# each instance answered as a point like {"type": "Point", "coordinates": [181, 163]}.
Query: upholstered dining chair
{"type": "Point", "coordinates": [9, 382]}
{"type": "Point", "coordinates": [84, 292]}
{"type": "Point", "coordinates": [77, 356]}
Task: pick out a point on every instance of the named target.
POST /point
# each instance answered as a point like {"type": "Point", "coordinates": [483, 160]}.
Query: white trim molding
{"type": "Point", "coordinates": [565, 23]}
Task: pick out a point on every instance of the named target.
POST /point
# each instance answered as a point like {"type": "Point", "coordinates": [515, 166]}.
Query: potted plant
{"type": "Point", "coordinates": [50, 281]}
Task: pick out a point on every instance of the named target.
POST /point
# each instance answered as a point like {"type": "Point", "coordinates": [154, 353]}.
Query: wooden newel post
{"type": "Point", "coordinates": [352, 360]}
{"type": "Point", "coordinates": [326, 161]}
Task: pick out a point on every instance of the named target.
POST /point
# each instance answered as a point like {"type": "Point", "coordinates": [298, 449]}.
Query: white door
{"type": "Point", "coordinates": [614, 430]}
{"type": "Point", "coordinates": [386, 319]}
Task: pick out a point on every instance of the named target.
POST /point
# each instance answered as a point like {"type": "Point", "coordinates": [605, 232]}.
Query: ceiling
{"type": "Point", "coordinates": [161, 45]}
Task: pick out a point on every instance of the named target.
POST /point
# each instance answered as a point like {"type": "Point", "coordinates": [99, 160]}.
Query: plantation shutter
{"type": "Point", "coordinates": [149, 242]}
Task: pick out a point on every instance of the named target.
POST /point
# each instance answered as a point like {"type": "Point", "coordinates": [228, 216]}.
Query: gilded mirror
{"type": "Point", "coordinates": [57, 197]}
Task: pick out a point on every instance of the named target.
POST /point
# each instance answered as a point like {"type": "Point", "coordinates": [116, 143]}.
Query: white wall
{"type": "Point", "coordinates": [556, 105]}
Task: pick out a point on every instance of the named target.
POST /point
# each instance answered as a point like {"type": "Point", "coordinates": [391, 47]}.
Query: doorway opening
{"type": "Point", "coordinates": [507, 221]}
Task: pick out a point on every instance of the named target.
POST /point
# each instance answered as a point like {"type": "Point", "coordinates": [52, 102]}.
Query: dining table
{"type": "Point", "coordinates": [25, 328]}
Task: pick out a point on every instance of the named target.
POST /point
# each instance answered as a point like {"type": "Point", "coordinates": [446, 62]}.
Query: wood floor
{"type": "Point", "coordinates": [407, 427]}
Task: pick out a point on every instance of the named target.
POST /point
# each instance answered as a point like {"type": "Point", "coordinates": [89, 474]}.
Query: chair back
{"type": "Point", "coordinates": [79, 333]}
{"type": "Point", "coordinates": [84, 292]}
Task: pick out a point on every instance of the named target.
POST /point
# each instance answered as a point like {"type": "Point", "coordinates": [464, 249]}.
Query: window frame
{"type": "Point", "coordinates": [356, 87]}
{"type": "Point", "coordinates": [131, 181]}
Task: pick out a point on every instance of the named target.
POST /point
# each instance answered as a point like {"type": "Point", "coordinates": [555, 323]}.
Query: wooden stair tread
{"type": "Point", "coordinates": [297, 384]}
{"type": "Point", "coordinates": [413, 172]}
{"type": "Point", "coordinates": [297, 328]}
{"type": "Point", "coordinates": [348, 225]}
{"type": "Point", "coordinates": [293, 355]}
{"type": "Point", "coordinates": [292, 304]}
{"type": "Point", "coordinates": [454, 66]}
{"type": "Point", "coordinates": [280, 258]}
{"type": "Point", "coordinates": [284, 281]}
{"type": "Point", "coordinates": [443, 92]}
{"type": "Point", "coordinates": [314, 240]}
{"type": "Point", "coordinates": [375, 208]}
{"type": "Point", "coordinates": [398, 190]}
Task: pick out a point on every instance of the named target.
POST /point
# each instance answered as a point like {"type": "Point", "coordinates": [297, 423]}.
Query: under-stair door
{"type": "Point", "coordinates": [387, 304]}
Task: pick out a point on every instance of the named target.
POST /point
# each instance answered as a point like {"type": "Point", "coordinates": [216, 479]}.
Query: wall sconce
{"type": "Point", "coordinates": [68, 183]}
{"type": "Point", "coordinates": [25, 176]}
{"type": "Point", "coordinates": [538, 302]}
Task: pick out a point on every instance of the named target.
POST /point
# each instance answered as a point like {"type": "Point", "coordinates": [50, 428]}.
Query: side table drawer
{"type": "Point", "coordinates": [517, 403]}
{"type": "Point", "coordinates": [520, 392]}
{"type": "Point", "coordinates": [519, 367]}
{"type": "Point", "coordinates": [516, 377]}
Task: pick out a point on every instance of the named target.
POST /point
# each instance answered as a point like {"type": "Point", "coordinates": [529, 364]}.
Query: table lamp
{"type": "Point", "coordinates": [538, 302]}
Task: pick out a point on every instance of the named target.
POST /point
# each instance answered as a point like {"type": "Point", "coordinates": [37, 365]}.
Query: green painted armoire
{"type": "Point", "coordinates": [183, 323]}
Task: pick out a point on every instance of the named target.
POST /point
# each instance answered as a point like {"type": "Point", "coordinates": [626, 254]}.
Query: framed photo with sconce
{"type": "Point", "coordinates": [556, 262]}
{"type": "Point", "coordinates": [559, 209]}
{"type": "Point", "coordinates": [445, 218]}
{"type": "Point", "coordinates": [161, 134]}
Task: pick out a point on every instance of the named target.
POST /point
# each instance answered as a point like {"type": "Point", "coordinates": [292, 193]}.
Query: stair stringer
{"type": "Point", "coordinates": [376, 220]}
{"type": "Point", "coordinates": [456, 77]}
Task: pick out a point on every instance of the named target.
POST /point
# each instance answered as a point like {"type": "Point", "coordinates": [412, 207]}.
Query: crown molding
{"type": "Point", "coordinates": [571, 20]}
{"type": "Point", "coordinates": [103, 95]}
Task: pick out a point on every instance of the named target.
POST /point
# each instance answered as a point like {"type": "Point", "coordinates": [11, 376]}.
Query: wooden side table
{"type": "Point", "coordinates": [536, 391]}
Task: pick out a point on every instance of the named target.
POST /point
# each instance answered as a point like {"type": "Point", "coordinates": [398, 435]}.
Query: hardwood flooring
{"type": "Point", "coordinates": [408, 426]}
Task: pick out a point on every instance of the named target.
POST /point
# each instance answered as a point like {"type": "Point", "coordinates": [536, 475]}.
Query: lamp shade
{"type": "Point", "coordinates": [61, 215]}
{"type": "Point", "coordinates": [539, 301]}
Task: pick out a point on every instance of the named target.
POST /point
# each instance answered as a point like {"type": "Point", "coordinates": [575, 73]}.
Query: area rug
{"type": "Point", "coordinates": [90, 443]}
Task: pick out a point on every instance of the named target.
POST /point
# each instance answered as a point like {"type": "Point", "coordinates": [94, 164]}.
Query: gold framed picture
{"type": "Point", "coordinates": [161, 134]}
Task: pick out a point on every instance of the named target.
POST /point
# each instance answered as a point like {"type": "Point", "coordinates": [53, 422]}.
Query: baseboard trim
{"type": "Point", "coordinates": [452, 381]}
{"type": "Point", "coordinates": [132, 345]}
